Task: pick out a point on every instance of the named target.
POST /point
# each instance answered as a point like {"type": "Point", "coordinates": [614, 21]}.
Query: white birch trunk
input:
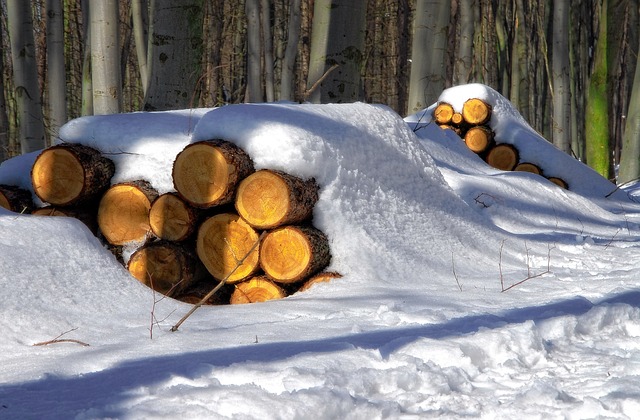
{"type": "Point", "coordinates": [140, 17]}
{"type": "Point", "coordinates": [561, 128]}
{"type": "Point", "coordinates": [105, 57]}
{"type": "Point", "coordinates": [56, 80]}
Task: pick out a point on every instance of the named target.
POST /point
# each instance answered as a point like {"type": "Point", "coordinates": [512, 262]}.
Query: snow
{"type": "Point", "coordinates": [426, 236]}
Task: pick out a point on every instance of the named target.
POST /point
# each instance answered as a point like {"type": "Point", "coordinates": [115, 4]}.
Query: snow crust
{"type": "Point", "coordinates": [426, 236]}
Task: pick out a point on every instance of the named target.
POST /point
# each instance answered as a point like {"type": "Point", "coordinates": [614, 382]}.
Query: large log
{"type": "Point", "coordinates": [15, 199]}
{"type": "Point", "coordinates": [479, 139]}
{"type": "Point", "coordinates": [206, 173]}
{"type": "Point", "coordinates": [123, 212]}
{"type": "Point", "coordinates": [70, 173]}
{"type": "Point", "coordinates": [267, 199]}
{"type": "Point", "coordinates": [172, 218]}
{"type": "Point", "coordinates": [443, 113]}
{"type": "Point", "coordinates": [292, 253]}
{"type": "Point", "coordinates": [503, 156]}
{"type": "Point", "coordinates": [256, 289]}
{"type": "Point", "coordinates": [476, 111]}
{"type": "Point", "coordinates": [225, 240]}
{"type": "Point", "coordinates": [165, 266]}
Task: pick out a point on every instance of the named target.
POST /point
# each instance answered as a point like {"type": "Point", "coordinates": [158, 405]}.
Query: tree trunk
{"type": "Point", "coordinates": [164, 266]}
{"type": "Point", "coordinates": [56, 76]}
{"type": "Point", "coordinates": [15, 199]}
{"type": "Point", "coordinates": [463, 63]}
{"type": "Point", "coordinates": [254, 75]}
{"type": "Point", "coordinates": [292, 253]}
{"type": "Point", "coordinates": [226, 247]}
{"type": "Point", "coordinates": [171, 218]}
{"type": "Point", "coordinates": [175, 50]}
{"type": "Point", "coordinates": [123, 213]}
{"type": "Point", "coordinates": [287, 76]}
{"type": "Point", "coordinates": [87, 85]}
{"type": "Point", "coordinates": [267, 199]}
{"type": "Point", "coordinates": [256, 289]}
{"type": "Point", "coordinates": [140, 18]}
{"type": "Point", "coordinates": [5, 151]}
{"type": "Point", "coordinates": [267, 41]}
{"type": "Point", "coordinates": [427, 59]}
{"type": "Point", "coordinates": [25, 75]}
{"type": "Point", "coordinates": [105, 57]}
{"type": "Point", "coordinates": [561, 127]}
{"type": "Point", "coordinates": [206, 173]}
{"type": "Point", "coordinates": [69, 174]}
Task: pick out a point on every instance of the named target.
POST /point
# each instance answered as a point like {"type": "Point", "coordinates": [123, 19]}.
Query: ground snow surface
{"type": "Point", "coordinates": [427, 237]}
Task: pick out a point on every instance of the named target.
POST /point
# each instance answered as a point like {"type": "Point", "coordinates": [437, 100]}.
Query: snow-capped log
{"type": "Point", "coordinates": [476, 111]}
{"type": "Point", "coordinates": [503, 156]}
{"type": "Point", "coordinates": [123, 212]}
{"type": "Point", "coordinates": [15, 199]}
{"type": "Point", "coordinates": [256, 289]}
{"type": "Point", "coordinates": [172, 218]}
{"type": "Point", "coordinates": [479, 139]}
{"type": "Point", "coordinates": [293, 253]}
{"type": "Point", "coordinates": [227, 246]}
{"type": "Point", "coordinates": [267, 199]}
{"type": "Point", "coordinates": [70, 173]}
{"type": "Point", "coordinates": [206, 173]}
{"type": "Point", "coordinates": [166, 267]}
{"type": "Point", "coordinates": [559, 182]}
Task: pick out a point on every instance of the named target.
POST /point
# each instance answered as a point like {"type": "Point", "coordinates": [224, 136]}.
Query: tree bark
{"type": "Point", "coordinates": [56, 76]}
{"type": "Point", "coordinates": [5, 151]}
{"type": "Point", "coordinates": [27, 90]}
{"type": "Point", "coordinates": [254, 74]}
{"type": "Point", "coordinates": [561, 127]}
{"type": "Point", "coordinates": [105, 57]}
{"type": "Point", "coordinates": [267, 41]}
{"type": "Point", "coordinates": [15, 199]}
{"type": "Point", "coordinates": [140, 18]}
{"type": "Point", "coordinates": [630, 159]}
{"type": "Point", "coordinates": [287, 76]}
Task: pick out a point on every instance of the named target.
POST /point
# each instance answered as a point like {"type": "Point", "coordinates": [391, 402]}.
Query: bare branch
{"type": "Point", "coordinates": [62, 340]}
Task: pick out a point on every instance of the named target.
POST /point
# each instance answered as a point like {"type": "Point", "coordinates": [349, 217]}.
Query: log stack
{"type": "Point", "coordinates": [472, 125]}
{"type": "Point", "coordinates": [225, 222]}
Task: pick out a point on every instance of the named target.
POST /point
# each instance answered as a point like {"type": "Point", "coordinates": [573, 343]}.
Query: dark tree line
{"type": "Point", "coordinates": [568, 67]}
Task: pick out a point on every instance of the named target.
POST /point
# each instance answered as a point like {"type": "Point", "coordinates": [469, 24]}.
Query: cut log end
{"type": "Point", "coordinates": [476, 111]}
{"type": "Point", "coordinates": [225, 240]}
{"type": "Point", "coordinates": [171, 218]}
{"type": "Point", "coordinates": [206, 173]}
{"type": "Point", "coordinates": [257, 289]}
{"type": "Point", "coordinates": [443, 113]}
{"type": "Point", "coordinates": [528, 167]}
{"type": "Point", "coordinates": [479, 139]}
{"type": "Point", "coordinates": [559, 182]}
{"type": "Point", "coordinates": [290, 254]}
{"type": "Point", "coordinates": [503, 156]}
{"type": "Point", "coordinates": [268, 199]}
{"type": "Point", "coordinates": [323, 277]}
{"type": "Point", "coordinates": [123, 213]}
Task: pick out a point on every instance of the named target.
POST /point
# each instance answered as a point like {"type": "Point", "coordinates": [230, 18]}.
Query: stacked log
{"type": "Point", "coordinates": [472, 125]}
{"type": "Point", "coordinates": [224, 223]}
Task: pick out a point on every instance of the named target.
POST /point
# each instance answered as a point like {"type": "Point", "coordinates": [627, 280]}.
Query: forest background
{"type": "Point", "coordinates": [570, 67]}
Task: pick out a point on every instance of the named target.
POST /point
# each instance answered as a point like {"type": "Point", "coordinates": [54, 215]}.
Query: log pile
{"type": "Point", "coordinates": [472, 126]}
{"type": "Point", "coordinates": [225, 222]}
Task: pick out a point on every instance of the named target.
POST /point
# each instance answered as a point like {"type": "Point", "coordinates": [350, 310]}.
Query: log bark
{"type": "Point", "coordinates": [68, 174]}
{"type": "Point", "coordinates": [15, 199]}
{"type": "Point", "coordinates": [479, 139]}
{"type": "Point", "coordinates": [528, 167]}
{"type": "Point", "coordinates": [172, 218]}
{"type": "Point", "coordinates": [476, 111]}
{"type": "Point", "coordinates": [443, 113]}
{"type": "Point", "coordinates": [256, 289]}
{"type": "Point", "coordinates": [206, 173]}
{"type": "Point", "coordinates": [123, 212]}
{"type": "Point", "coordinates": [166, 267]}
{"type": "Point", "coordinates": [292, 253]}
{"type": "Point", "coordinates": [267, 199]}
{"type": "Point", "coordinates": [323, 277]}
{"type": "Point", "coordinates": [503, 156]}
{"type": "Point", "coordinates": [223, 241]}
{"type": "Point", "coordinates": [559, 182]}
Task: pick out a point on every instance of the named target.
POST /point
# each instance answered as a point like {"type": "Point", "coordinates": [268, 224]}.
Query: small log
{"type": "Point", "coordinates": [68, 174]}
{"type": "Point", "coordinates": [267, 199]}
{"type": "Point", "coordinates": [206, 173]}
{"type": "Point", "coordinates": [123, 212]}
{"type": "Point", "coordinates": [456, 119]}
{"type": "Point", "coordinates": [256, 289]}
{"type": "Point", "coordinates": [443, 113]}
{"type": "Point", "coordinates": [292, 253]}
{"type": "Point", "coordinates": [172, 218]}
{"type": "Point", "coordinates": [559, 182]}
{"type": "Point", "coordinates": [86, 214]}
{"type": "Point", "coordinates": [164, 266]}
{"type": "Point", "coordinates": [479, 139]}
{"type": "Point", "coordinates": [323, 277]}
{"type": "Point", "coordinates": [528, 167]}
{"type": "Point", "coordinates": [476, 111]}
{"type": "Point", "coordinates": [15, 199]}
{"type": "Point", "coordinates": [503, 156]}
{"type": "Point", "coordinates": [223, 241]}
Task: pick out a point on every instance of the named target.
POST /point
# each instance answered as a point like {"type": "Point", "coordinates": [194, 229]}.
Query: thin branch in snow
{"type": "Point", "coordinates": [62, 340]}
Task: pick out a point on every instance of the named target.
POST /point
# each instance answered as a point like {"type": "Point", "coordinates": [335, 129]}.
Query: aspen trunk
{"type": "Point", "coordinates": [70, 173]}
{"type": "Point", "coordinates": [223, 241]}
{"type": "Point", "coordinates": [123, 213]}
{"type": "Point", "coordinates": [206, 173]}
{"type": "Point", "coordinates": [293, 253]}
{"type": "Point", "coordinates": [15, 199]}
{"type": "Point", "coordinates": [257, 289]}
{"type": "Point", "coordinates": [267, 199]}
{"type": "Point", "coordinates": [171, 218]}
{"type": "Point", "coordinates": [164, 266]}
